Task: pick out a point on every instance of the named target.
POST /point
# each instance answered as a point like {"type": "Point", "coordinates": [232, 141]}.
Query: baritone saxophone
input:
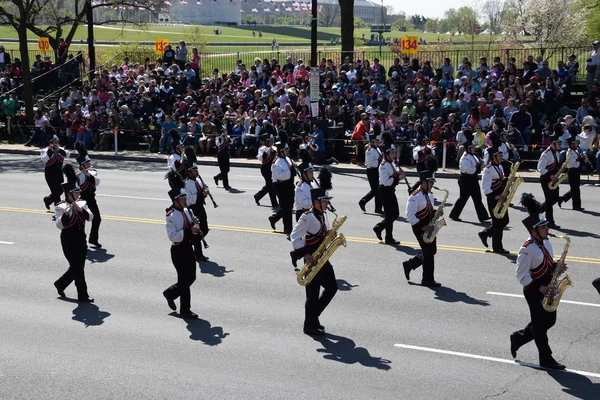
{"type": "Point", "coordinates": [557, 286]}
{"type": "Point", "coordinates": [437, 222]}
{"type": "Point", "coordinates": [512, 184]}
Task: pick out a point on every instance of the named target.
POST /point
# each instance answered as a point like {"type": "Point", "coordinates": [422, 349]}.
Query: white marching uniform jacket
{"type": "Point", "coordinates": [468, 164]}
{"type": "Point", "coordinates": [548, 162]}
{"type": "Point", "coordinates": [573, 162]}
{"type": "Point", "coordinates": [503, 148]}
{"type": "Point", "coordinates": [417, 207]}
{"type": "Point", "coordinates": [61, 209]}
{"type": "Point", "coordinates": [81, 178]}
{"type": "Point", "coordinates": [419, 148]}
{"type": "Point", "coordinates": [262, 150]}
{"type": "Point", "coordinates": [54, 156]}
{"type": "Point", "coordinates": [532, 263]}
{"type": "Point", "coordinates": [492, 178]}
{"type": "Point", "coordinates": [178, 225]}
{"type": "Point", "coordinates": [309, 228]}
{"type": "Point", "coordinates": [302, 199]}
{"type": "Point", "coordinates": [387, 173]}
{"type": "Point", "coordinates": [373, 157]}
{"type": "Point", "coordinates": [194, 188]}
{"type": "Point", "coordinates": [281, 169]}
{"type": "Point", "coordinates": [171, 161]}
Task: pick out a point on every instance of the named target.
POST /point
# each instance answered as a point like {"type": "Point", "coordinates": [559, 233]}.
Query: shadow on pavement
{"type": "Point", "coordinates": [344, 350]}
{"type": "Point", "coordinates": [345, 286]}
{"type": "Point", "coordinates": [235, 191]}
{"type": "Point", "coordinates": [95, 255]}
{"type": "Point", "coordinates": [214, 269]}
{"type": "Point", "coordinates": [572, 232]}
{"type": "Point", "coordinates": [450, 295]}
{"type": "Point", "coordinates": [576, 385]}
{"type": "Point", "coordinates": [202, 330]}
{"type": "Point", "coordinates": [87, 313]}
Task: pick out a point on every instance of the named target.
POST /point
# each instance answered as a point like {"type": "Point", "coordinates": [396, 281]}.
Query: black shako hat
{"type": "Point", "coordinates": [319, 194]}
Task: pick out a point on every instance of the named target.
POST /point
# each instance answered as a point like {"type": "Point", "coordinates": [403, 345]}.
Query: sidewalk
{"type": "Point", "coordinates": [346, 168]}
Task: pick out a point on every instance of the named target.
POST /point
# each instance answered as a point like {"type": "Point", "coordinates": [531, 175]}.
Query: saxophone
{"type": "Point", "coordinates": [557, 286]}
{"type": "Point", "coordinates": [437, 222]}
{"type": "Point", "coordinates": [326, 249]}
{"type": "Point", "coordinates": [512, 184]}
{"type": "Point", "coordinates": [561, 175]}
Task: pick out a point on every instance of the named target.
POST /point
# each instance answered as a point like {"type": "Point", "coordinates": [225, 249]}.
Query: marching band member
{"type": "Point", "coordinates": [373, 158]}
{"type": "Point", "coordinates": [470, 166]}
{"type": "Point", "coordinates": [307, 236]}
{"type": "Point", "coordinates": [181, 228]}
{"type": "Point", "coordinates": [196, 193]}
{"type": "Point", "coordinates": [282, 172]}
{"type": "Point", "coordinates": [71, 216]}
{"type": "Point", "coordinates": [424, 155]}
{"type": "Point", "coordinates": [419, 213]}
{"type": "Point", "coordinates": [266, 155]}
{"type": "Point", "coordinates": [492, 184]}
{"type": "Point", "coordinates": [388, 179]}
{"type": "Point", "coordinates": [575, 157]}
{"type": "Point", "coordinates": [222, 141]}
{"type": "Point", "coordinates": [88, 181]}
{"type": "Point", "coordinates": [535, 267]}
{"type": "Point", "coordinates": [302, 199]}
{"type": "Point", "coordinates": [548, 166]}
{"type": "Point", "coordinates": [175, 161]}
{"type": "Point", "coordinates": [53, 158]}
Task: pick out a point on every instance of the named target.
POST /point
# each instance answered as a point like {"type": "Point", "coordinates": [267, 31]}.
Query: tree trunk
{"type": "Point", "coordinates": [91, 50]}
{"type": "Point", "coordinates": [347, 30]}
{"type": "Point", "coordinates": [27, 86]}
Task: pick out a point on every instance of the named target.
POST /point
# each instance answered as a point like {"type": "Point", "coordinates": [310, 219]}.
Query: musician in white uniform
{"type": "Point", "coordinates": [548, 167]}
{"type": "Point", "coordinates": [197, 191]}
{"type": "Point", "coordinates": [373, 158]}
{"type": "Point", "coordinates": [419, 213]}
{"type": "Point", "coordinates": [175, 161]}
{"type": "Point", "coordinates": [389, 177]}
{"type": "Point", "coordinates": [302, 199]}
{"type": "Point", "coordinates": [88, 181]}
{"type": "Point", "coordinates": [266, 155]}
{"type": "Point", "coordinates": [222, 141]}
{"type": "Point", "coordinates": [535, 267]}
{"type": "Point", "coordinates": [308, 234]}
{"type": "Point", "coordinates": [574, 160]}
{"type": "Point", "coordinates": [470, 166]}
{"type": "Point", "coordinates": [282, 173]}
{"type": "Point", "coordinates": [53, 158]}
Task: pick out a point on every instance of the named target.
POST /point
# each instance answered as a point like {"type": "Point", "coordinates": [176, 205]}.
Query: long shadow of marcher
{"type": "Point", "coordinates": [201, 330]}
{"type": "Point", "coordinates": [345, 286]}
{"type": "Point", "coordinates": [576, 385]}
{"type": "Point", "coordinates": [452, 296]}
{"type": "Point", "coordinates": [214, 269]}
{"type": "Point", "coordinates": [409, 251]}
{"type": "Point", "coordinates": [589, 212]}
{"type": "Point", "coordinates": [572, 232]}
{"type": "Point", "coordinates": [344, 350]}
{"type": "Point", "coordinates": [87, 313]}
{"type": "Point", "coordinates": [235, 191]}
{"type": "Point", "coordinates": [95, 255]}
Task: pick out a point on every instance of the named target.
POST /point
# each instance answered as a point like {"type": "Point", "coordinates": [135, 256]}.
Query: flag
{"type": "Point", "coordinates": [288, 9]}
{"type": "Point", "coordinates": [254, 10]}
{"type": "Point", "coordinates": [242, 11]}
{"type": "Point", "coordinates": [267, 9]}
{"type": "Point", "coordinates": [167, 3]}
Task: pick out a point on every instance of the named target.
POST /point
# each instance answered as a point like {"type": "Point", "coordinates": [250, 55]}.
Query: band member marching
{"type": "Point", "coordinates": [88, 181]}
{"type": "Point", "coordinates": [493, 182]}
{"type": "Point", "coordinates": [175, 160]}
{"type": "Point", "coordinates": [222, 141]}
{"type": "Point", "coordinates": [470, 166]}
{"type": "Point", "coordinates": [196, 191]}
{"type": "Point", "coordinates": [53, 158]}
{"type": "Point", "coordinates": [389, 177]}
{"type": "Point", "coordinates": [373, 158]}
{"type": "Point", "coordinates": [574, 160]}
{"type": "Point", "coordinates": [535, 267]}
{"type": "Point", "coordinates": [302, 199]}
{"type": "Point", "coordinates": [547, 167]}
{"type": "Point", "coordinates": [308, 234]}
{"type": "Point", "coordinates": [181, 227]}
{"type": "Point", "coordinates": [419, 213]}
{"type": "Point", "coordinates": [283, 172]}
{"type": "Point", "coordinates": [71, 216]}
{"type": "Point", "coordinates": [424, 155]}
{"type": "Point", "coordinates": [266, 155]}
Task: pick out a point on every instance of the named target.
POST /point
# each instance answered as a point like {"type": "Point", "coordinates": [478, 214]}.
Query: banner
{"type": "Point", "coordinates": [160, 45]}
{"type": "Point", "coordinates": [44, 45]}
{"type": "Point", "coordinates": [410, 44]}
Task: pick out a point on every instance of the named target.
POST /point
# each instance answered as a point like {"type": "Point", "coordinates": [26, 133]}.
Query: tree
{"type": "Point", "coordinates": [467, 20]}
{"type": "Point", "coordinates": [330, 15]}
{"type": "Point", "coordinates": [359, 23]}
{"type": "Point", "coordinates": [493, 10]}
{"type": "Point", "coordinates": [432, 25]}
{"type": "Point", "coordinates": [347, 27]}
{"type": "Point", "coordinates": [402, 23]}
{"type": "Point", "coordinates": [418, 21]}
{"type": "Point", "coordinates": [592, 18]}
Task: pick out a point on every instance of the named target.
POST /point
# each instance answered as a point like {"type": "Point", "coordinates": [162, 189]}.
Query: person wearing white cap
{"type": "Point", "coordinates": [373, 158]}
{"type": "Point", "coordinates": [222, 141]}
{"type": "Point", "coordinates": [302, 201]}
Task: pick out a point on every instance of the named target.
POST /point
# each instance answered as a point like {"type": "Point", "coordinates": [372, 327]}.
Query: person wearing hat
{"type": "Point", "coordinates": [196, 191]}
{"type": "Point", "coordinates": [266, 155]}
{"type": "Point", "coordinates": [574, 160]}
{"type": "Point", "coordinates": [88, 181]}
{"type": "Point", "coordinates": [548, 166]}
{"type": "Point", "coordinates": [53, 158]}
{"type": "Point", "coordinates": [373, 158]}
{"type": "Point", "coordinates": [307, 236]}
{"type": "Point", "coordinates": [222, 141]}
{"type": "Point", "coordinates": [282, 176]}
{"type": "Point", "coordinates": [419, 213]}
{"type": "Point", "coordinates": [470, 166]}
{"type": "Point", "coordinates": [71, 216]}
{"type": "Point", "coordinates": [493, 182]}
{"type": "Point", "coordinates": [181, 228]}
{"type": "Point", "coordinates": [592, 64]}
{"type": "Point", "coordinates": [535, 267]}
{"type": "Point", "coordinates": [302, 199]}
{"type": "Point", "coordinates": [424, 155]}
{"type": "Point", "coordinates": [174, 161]}
{"type": "Point", "coordinates": [389, 177]}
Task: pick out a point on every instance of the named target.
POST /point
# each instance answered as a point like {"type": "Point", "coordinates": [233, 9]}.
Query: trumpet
{"type": "Point", "coordinates": [196, 223]}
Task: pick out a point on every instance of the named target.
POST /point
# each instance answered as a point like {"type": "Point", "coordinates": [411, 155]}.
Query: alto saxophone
{"type": "Point", "coordinates": [325, 250]}
{"type": "Point", "coordinates": [561, 175]}
{"type": "Point", "coordinates": [557, 286]}
{"type": "Point", "coordinates": [512, 184]}
{"type": "Point", "coordinates": [437, 222]}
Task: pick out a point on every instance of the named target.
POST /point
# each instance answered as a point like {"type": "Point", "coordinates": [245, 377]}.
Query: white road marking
{"type": "Point", "coordinates": [486, 358]}
{"type": "Point", "coordinates": [133, 197]}
{"type": "Point", "coordinates": [249, 176]}
{"type": "Point", "coordinates": [1, 242]}
{"type": "Point", "coordinates": [562, 301]}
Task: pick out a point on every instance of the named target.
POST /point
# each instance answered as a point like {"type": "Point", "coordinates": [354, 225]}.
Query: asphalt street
{"type": "Point", "coordinates": [387, 339]}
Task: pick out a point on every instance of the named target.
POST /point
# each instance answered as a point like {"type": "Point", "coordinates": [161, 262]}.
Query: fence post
{"type": "Point", "coordinates": [444, 154]}
{"type": "Point", "coordinates": [116, 142]}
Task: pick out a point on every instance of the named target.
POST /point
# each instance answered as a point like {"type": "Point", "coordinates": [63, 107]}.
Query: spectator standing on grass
{"type": "Point", "coordinates": [169, 55]}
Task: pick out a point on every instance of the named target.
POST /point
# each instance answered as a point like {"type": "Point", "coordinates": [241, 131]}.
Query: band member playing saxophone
{"type": "Point", "coordinates": [389, 177]}
{"type": "Point", "coordinates": [548, 166]}
{"type": "Point", "coordinates": [307, 235]}
{"type": "Point", "coordinates": [53, 158]}
{"type": "Point", "coordinates": [419, 213]}
{"type": "Point", "coordinates": [535, 265]}
{"type": "Point", "coordinates": [196, 194]}
{"type": "Point", "coordinates": [88, 181]}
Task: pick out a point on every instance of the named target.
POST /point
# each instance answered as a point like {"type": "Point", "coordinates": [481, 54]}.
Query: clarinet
{"type": "Point", "coordinates": [215, 205]}
{"type": "Point", "coordinates": [197, 223]}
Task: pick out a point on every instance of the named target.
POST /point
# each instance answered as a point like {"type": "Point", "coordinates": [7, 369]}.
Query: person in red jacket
{"type": "Point", "coordinates": [359, 136]}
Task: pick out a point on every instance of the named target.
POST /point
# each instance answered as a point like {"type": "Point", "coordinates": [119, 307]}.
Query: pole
{"type": "Point", "coordinates": [90, 26]}
{"type": "Point", "coordinates": [313, 36]}
{"type": "Point", "coordinates": [444, 154]}
{"type": "Point", "coordinates": [116, 142]}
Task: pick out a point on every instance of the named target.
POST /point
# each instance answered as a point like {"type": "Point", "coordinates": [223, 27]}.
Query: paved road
{"type": "Point", "coordinates": [387, 340]}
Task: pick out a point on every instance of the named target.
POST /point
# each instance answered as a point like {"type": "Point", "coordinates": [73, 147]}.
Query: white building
{"type": "Point", "coordinates": [206, 12]}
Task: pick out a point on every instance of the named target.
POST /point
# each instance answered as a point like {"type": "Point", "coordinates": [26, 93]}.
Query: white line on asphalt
{"type": "Point", "coordinates": [1, 242]}
{"type": "Point", "coordinates": [132, 197]}
{"type": "Point", "coordinates": [562, 301]}
{"type": "Point", "coordinates": [486, 358]}
{"type": "Point", "coordinates": [250, 176]}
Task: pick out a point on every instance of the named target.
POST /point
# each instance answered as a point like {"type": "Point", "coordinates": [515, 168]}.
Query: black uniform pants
{"type": "Point", "coordinates": [285, 195]}
{"type": "Point", "coordinates": [93, 206]}
{"type": "Point", "coordinates": [551, 197]}
{"type": "Point", "coordinates": [537, 329]}
{"type": "Point", "coordinates": [182, 256]}
{"type": "Point", "coordinates": [224, 167]}
{"type": "Point", "coordinates": [387, 195]}
{"type": "Point", "coordinates": [200, 213]}
{"type": "Point", "coordinates": [575, 192]}
{"type": "Point", "coordinates": [315, 301]}
{"type": "Point", "coordinates": [469, 188]}
{"type": "Point", "coordinates": [373, 177]}
{"type": "Point", "coordinates": [496, 229]}
{"type": "Point", "coordinates": [54, 179]}
{"type": "Point", "coordinates": [75, 251]}
{"type": "Point", "coordinates": [426, 257]}
{"type": "Point", "coordinates": [268, 188]}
